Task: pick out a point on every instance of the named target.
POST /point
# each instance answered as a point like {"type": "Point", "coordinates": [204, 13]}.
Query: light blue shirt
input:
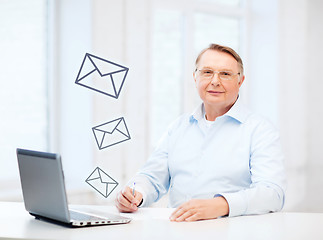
{"type": "Point", "coordinates": [238, 156]}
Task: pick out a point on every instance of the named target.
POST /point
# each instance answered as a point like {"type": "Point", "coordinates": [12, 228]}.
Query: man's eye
{"type": "Point", "coordinates": [207, 72]}
{"type": "Point", "coordinates": [226, 73]}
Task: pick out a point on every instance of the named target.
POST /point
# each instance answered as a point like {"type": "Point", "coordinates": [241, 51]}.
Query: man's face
{"type": "Point", "coordinates": [216, 92]}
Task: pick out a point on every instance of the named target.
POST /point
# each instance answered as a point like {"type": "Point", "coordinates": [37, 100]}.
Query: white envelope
{"type": "Point", "coordinates": [111, 133]}
{"type": "Point", "coordinates": [101, 182]}
{"type": "Point", "coordinates": [101, 75]}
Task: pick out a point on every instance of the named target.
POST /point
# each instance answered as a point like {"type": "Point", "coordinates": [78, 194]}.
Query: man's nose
{"type": "Point", "coordinates": [215, 79]}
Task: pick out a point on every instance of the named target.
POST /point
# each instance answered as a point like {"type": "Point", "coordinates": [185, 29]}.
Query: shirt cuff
{"type": "Point", "coordinates": [236, 202]}
{"type": "Point", "coordinates": [144, 195]}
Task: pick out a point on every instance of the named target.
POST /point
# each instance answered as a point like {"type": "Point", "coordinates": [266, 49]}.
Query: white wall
{"type": "Point", "coordinates": [314, 83]}
{"type": "Point", "coordinates": [293, 95]}
{"type": "Point", "coordinates": [301, 115]}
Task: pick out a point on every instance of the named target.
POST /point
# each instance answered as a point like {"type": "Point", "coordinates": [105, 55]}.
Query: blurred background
{"type": "Point", "coordinates": [43, 43]}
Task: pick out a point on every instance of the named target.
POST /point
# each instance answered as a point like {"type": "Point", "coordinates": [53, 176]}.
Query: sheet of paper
{"type": "Point", "coordinates": [150, 213]}
{"type": "Point", "coordinates": [142, 213]}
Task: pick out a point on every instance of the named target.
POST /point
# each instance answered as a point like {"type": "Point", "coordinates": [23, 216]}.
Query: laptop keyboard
{"type": "Point", "coordinates": [83, 217]}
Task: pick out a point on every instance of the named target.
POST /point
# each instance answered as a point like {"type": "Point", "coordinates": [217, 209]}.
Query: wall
{"type": "Point", "coordinates": [301, 115]}
{"type": "Point", "coordinates": [293, 95]}
{"type": "Point", "coordinates": [314, 84]}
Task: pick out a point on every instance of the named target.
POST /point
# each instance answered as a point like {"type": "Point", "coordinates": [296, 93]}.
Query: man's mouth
{"type": "Point", "coordinates": [215, 92]}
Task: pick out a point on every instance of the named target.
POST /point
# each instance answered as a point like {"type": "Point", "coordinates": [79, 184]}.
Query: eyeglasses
{"type": "Point", "coordinates": [208, 74]}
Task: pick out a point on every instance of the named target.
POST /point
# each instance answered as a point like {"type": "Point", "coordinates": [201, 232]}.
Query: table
{"type": "Point", "coordinates": [153, 223]}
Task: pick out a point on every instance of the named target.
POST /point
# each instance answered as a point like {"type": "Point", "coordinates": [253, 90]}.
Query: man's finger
{"type": "Point", "coordinates": [122, 200]}
{"type": "Point", "coordinates": [192, 218]}
{"type": "Point", "coordinates": [122, 208]}
{"type": "Point", "coordinates": [125, 202]}
{"type": "Point", "coordinates": [133, 197]}
{"type": "Point", "coordinates": [184, 216]}
{"type": "Point", "coordinates": [177, 213]}
{"type": "Point", "coordinates": [127, 193]}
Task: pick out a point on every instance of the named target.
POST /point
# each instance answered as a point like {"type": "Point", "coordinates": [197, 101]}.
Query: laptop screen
{"type": "Point", "coordinates": [42, 182]}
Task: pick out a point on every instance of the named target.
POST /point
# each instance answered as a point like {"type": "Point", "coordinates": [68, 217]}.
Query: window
{"type": "Point", "coordinates": [218, 29]}
{"type": "Point", "coordinates": [166, 70]}
{"type": "Point", "coordinates": [23, 91]}
{"type": "Point", "coordinates": [235, 3]}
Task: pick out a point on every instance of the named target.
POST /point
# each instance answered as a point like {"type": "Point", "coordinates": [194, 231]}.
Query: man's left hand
{"type": "Point", "coordinates": [201, 209]}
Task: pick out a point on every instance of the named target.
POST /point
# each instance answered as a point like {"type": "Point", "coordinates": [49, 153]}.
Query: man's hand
{"type": "Point", "coordinates": [201, 209]}
{"type": "Point", "coordinates": [126, 202]}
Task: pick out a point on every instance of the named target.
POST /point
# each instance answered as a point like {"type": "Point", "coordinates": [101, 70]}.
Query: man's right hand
{"type": "Point", "coordinates": [126, 202]}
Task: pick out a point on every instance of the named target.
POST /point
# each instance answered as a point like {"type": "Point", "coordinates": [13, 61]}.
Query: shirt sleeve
{"type": "Point", "coordinates": [153, 178]}
{"type": "Point", "coordinates": [268, 181]}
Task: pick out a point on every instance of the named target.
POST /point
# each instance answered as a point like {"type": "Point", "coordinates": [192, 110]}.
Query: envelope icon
{"type": "Point", "coordinates": [111, 133]}
{"type": "Point", "coordinates": [101, 182]}
{"type": "Point", "coordinates": [101, 75]}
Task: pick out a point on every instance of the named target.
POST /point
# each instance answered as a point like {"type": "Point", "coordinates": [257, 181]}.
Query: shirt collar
{"type": "Point", "coordinates": [198, 113]}
{"type": "Point", "coordinates": [238, 111]}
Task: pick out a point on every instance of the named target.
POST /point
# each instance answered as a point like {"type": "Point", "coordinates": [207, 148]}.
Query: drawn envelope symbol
{"type": "Point", "coordinates": [111, 133]}
{"type": "Point", "coordinates": [101, 75]}
{"type": "Point", "coordinates": [101, 182]}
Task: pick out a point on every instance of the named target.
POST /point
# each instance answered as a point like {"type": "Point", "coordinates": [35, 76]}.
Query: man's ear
{"type": "Point", "coordinates": [241, 81]}
{"type": "Point", "coordinates": [194, 76]}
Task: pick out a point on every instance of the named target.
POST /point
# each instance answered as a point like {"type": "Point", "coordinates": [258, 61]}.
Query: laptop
{"type": "Point", "coordinates": [43, 188]}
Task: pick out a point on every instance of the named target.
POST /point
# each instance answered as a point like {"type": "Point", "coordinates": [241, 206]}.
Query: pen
{"type": "Point", "coordinates": [133, 194]}
{"type": "Point", "coordinates": [133, 189]}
